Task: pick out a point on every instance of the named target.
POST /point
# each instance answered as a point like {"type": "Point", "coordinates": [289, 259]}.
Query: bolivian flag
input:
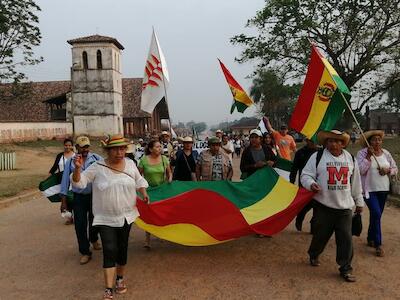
{"type": "Point", "coordinates": [321, 102]}
{"type": "Point", "coordinates": [213, 212]}
{"type": "Point", "coordinates": [240, 99]}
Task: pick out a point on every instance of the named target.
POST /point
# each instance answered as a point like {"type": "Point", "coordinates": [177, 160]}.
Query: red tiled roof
{"type": "Point", "coordinates": [25, 103]}
{"type": "Point", "coordinates": [96, 39]}
{"type": "Point", "coordinates": [131, 93]}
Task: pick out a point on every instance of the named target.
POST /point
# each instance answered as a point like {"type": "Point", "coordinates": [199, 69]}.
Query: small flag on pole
{"type": "Point", "coordinates": [156, 77]}
{"type": "Point", "coordinates": [321, 102]}
{"type": "Point", "coordinates": [240, 98]}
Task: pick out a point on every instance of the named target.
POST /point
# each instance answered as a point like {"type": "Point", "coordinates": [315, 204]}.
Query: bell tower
{"type": "Point", "coordinates": [96, 85]}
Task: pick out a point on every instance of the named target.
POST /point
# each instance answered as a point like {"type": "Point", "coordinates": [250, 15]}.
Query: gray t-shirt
{"type": "Point", "coordinates": [258, 154]}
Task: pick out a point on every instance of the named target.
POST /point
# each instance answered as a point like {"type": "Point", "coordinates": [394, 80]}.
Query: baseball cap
{"type": "Point", "coordinates": [256, 131]}
{"type": "Point", "coordinates": [82, 141]}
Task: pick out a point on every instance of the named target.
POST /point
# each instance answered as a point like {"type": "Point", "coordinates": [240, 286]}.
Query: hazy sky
{"type": "Point", "coordinates": [192, 34]}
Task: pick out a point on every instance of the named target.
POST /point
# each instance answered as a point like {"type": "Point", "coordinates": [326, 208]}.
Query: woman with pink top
{"type": "Point", "coordinates": [376, 166]}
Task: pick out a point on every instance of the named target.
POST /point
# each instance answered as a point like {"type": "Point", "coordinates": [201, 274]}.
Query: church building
{"type": "Point", "coordinates": [96, 101]}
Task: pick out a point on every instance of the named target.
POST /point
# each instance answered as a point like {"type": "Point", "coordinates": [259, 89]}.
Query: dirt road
{"type": "Point", "coordinates": [39, 260]}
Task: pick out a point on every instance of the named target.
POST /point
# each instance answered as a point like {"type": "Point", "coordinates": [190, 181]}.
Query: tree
{"type": "Point", "coordinates": [393, 102]}
{"type": "Point", "coordinates": [360, 37]}
{"type": "Point", "coordinates": [19, 33]}
{"type": "Point", "coordinates": [199, 127]}
{"type": "Point", "coordinates": [277, 98]}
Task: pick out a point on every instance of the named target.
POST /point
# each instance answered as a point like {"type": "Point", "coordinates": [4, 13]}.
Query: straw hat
{"type": "Point", "coordinates": [333, 134]}
{"type": "Point", "coordinates": [116, 140]}
{"type": "Point", "coordinates": [187, 139]}
{"type": "Point", "coordinates": [165, 133]}
{"type": "Point", "coordinates": [130, 149]}
{"type": "Point", "coordinates": [370, 134]}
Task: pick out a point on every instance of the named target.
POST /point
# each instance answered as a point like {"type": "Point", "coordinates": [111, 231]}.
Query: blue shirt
{"type": "Point", "coordinates": [70, 167]}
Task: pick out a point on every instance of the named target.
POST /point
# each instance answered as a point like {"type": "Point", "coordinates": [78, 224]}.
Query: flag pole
{"type": "Point", "coordinates": [165, 88]}
{"type": "Point", "coordinates": [358, 125]}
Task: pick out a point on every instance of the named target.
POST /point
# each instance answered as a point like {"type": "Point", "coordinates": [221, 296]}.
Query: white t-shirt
{"type": "Point", "coordinates": [114, 194]}
{"type": "Point", "coordinates": [338, 177]}
{"type": "Point", "coordinates": [377, 182]}
{"type": "Point", "coordinates": [62, 161]}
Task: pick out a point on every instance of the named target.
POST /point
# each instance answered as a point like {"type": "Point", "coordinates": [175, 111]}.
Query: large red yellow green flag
{"type": "Point", "coordinates": [240, 98]}
{"type": "Point", "coordinates": [321, 102]}
{"type": "Point", "coordinates": [208, 213]}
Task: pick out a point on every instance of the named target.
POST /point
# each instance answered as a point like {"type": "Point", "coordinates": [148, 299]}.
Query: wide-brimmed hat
{"type": "Point", "coordinates": [333, 134]}
{"type": "Point", "coordinates": [257, 132]}
{"type": "Point", "coordinates": [116, 140]}
{"type": "Point", "coordinates": [130, 149]}
{"type": "Point", "coordinates": [187, 139]}
{"type": "Point", "coordinates": [82, 141]}
{"type": "Point", "coordinates": [214, 140]}
{"type": "Point", "coordinates": [370, 134]}
{"type": "Point", "coordinates": [165, 133]}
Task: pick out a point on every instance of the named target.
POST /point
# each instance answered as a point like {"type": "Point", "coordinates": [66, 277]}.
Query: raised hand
{"type": "Point", "coordinates": [78, 160]}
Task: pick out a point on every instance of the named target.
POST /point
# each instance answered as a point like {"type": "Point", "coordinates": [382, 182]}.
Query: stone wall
{"type": "Point", "coordinates": [32, 131]}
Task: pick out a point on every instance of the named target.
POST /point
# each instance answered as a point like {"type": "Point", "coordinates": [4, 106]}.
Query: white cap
{"type": "Point", "coordinates": [256, 131]}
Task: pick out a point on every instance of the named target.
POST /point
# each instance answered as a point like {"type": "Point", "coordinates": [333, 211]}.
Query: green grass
{"type": "Point", "coordinates": [9, 186]}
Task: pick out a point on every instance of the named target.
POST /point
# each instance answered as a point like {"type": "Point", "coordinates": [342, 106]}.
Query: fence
{"type": "Point", "coordinates": [7, 161]}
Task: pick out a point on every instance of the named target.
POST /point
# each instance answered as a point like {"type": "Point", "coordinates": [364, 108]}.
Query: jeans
{"type": "Point", "coordinates": [326, 222]}
{"type": "Point", "coordinates": [83, 220]}
{"type": "Point", "coordinates": [376, 205]}
{"type": "Point", "coordinates": [115, 244]}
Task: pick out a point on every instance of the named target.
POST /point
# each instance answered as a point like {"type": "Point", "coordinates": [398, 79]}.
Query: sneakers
{"type": "Point", "coordinates": [120, 286]}
{"type": "Point", "coordinates": [108, 294]}
{"type": "Point", "coordinates": [85, 259]}
{"type": "Point", "coordinates": [96, 245]}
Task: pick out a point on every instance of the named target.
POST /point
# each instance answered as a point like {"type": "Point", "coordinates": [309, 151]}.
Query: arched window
{"type": "Point", "coordinates": [99, 60]}
{"type": "Point", "coordinates": [85, 60]}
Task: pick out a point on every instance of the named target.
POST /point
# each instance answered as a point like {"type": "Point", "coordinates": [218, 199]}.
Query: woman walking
{"type": "Point", "coordinates": [268, 140]}
{"type": "Point", "coordinates": [114, 181]}
{"type": "Point", "coordinates": [376, 165]}
{"type": "Point", "coordinates": [155, 169]}
{"type": "Point", "coordinates": [58, 167]}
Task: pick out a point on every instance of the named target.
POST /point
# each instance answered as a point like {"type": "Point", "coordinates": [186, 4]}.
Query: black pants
{"type": "Point", "coordinates": [327, 221]}
{"type": "Point", "coordinates": [83, 220]}
{"type": "Point", "coordinates": [115, 244]}
{"type": "Point", "coordinates": [302, 214]}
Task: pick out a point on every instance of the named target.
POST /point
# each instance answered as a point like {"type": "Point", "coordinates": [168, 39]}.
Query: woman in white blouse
{"type": "Point", "coordinates": [115, 181]}
{"type": "Point", "coordinates": [376, 165]}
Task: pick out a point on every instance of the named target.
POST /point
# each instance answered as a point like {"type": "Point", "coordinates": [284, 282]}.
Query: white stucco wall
{"type": "Point", "coordinates": [31, 131]}
{"type": "Point", "coordinates": [97, 126]}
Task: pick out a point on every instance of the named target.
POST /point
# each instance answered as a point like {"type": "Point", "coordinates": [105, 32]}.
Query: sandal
{"type": "Point", "coordinates": [314, 262]}
{"type": "Point", "coordinates": [380, 252]}
{"type": "Point", "coordinates": [120, 286]}
{"type": "Point", "coordinates": [371, 244]}
{"type": "Point", "coordinates": [348, 277]}
{"type": "Point", "coordinates": [108, 294]}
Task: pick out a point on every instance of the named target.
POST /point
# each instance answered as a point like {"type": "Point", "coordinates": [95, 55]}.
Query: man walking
{"type": "Point", "coordinates": [336, 180]}
{"type": "Point", "coordinates": [213, 164]}
{"type": "Point", "coordinates": [82, 203]}
{"type": "Point", "coordinates": [285, 142]}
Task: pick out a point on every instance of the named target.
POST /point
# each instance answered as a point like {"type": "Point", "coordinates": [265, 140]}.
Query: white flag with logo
{"type": "Point", "coordinates": [156, 78]}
